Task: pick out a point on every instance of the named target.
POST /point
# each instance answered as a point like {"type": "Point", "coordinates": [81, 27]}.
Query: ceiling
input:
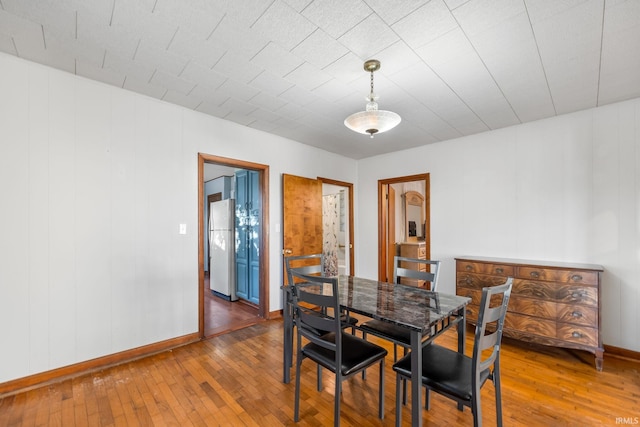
{"type": "Point", "coordinates": [294, 68]}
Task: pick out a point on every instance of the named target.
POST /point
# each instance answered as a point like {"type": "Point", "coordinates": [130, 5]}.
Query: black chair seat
{"type": "Point", "coordinates": [356, 353]}
{"type": "Point", "coordinates": [444, 370]}
{"type": "Point", "coordinates": [388, 331]}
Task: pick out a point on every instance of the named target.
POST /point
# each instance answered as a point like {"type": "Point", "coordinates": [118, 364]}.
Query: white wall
{"type": "Point", "coordinates": [94, 182]}
{"type": "Point", "coordinates": [561, 189]}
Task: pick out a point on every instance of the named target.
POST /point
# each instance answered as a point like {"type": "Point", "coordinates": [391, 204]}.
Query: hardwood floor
{"type": "Point", "coordinates": [222, 316]}
{"type": "Point", "coordinates": [235, 379]}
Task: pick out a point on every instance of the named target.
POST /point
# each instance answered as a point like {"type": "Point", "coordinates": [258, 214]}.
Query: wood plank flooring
{"type": "Point", "coordinates": [235, 379]}
{"type": "Point", "coordinates": [222, 316]}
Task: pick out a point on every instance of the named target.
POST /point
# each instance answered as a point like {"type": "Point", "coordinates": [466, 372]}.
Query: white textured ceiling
{"type": "Point", "coordinates": [294, 67]}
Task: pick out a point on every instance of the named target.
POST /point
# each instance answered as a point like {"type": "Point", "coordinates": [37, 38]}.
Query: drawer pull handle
{"type": "Point", "coordinates": [468, 280]}
{"type": "Point", "coordinates": [576, 277]}
{"type": "Point", "coordinates": [534, 274]}
{"type": "Point", "coordinates": [576, 334]}
{"type": "Point", "coordinates": [579, 294]}
{"type": "Point", "coordinates": [468, 267]}
{"type": "Point", "coordinates": [499, 270]}
{"type": "Point", "coordinates": [576, 314]}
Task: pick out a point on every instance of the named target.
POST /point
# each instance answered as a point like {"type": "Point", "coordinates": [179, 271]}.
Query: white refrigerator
{"type": "Point", "coordinates": [222, 250]}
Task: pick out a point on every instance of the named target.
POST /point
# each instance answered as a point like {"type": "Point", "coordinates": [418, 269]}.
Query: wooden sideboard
{"type": "Point", "coordinates": [555, 304]}
{"type": "Point", "coordinates": [416, 250]}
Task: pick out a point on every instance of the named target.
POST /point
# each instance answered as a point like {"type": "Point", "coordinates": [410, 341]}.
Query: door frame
{"type": "Point", "coordinates": [351, 232]}
{"type": "Point", "coordinates": [263, 172]}
{"type": "Point", "coordinates": [383, 211]}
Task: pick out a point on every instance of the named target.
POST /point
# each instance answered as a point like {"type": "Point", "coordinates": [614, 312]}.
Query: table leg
{"type": "Point", "coordinates": [462, 328]}
{"type": "Point", "coordinates": [416, 378]}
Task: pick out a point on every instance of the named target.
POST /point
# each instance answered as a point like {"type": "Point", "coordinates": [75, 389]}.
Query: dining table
{"type": "Point", "coordinates": [425, 314]}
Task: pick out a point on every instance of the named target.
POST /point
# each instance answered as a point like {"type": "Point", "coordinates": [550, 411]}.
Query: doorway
{"type": "Point", "coordinates": [393, 225]}
{"type": "Point", "coordinates": [343, 193]}
{"type": "Point", "coordinates": [303, 228]}
{"type": "Point", "coordinates": [221, 307]}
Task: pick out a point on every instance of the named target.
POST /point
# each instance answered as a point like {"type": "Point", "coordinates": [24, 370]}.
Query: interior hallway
{"type": "Point", "coordinates": [222, 316]}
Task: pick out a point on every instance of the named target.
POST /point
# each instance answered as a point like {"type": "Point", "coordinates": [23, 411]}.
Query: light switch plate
{"type": "Point", "coordinates": [183, 228]}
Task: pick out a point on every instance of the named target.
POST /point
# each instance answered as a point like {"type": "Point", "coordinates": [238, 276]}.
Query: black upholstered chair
{"type": "Point", "coordinates": [460, 377]}
{"type": "Point", "coordinates": [314, 297]}
{"type": "Point", "coordinates": [397, 335]}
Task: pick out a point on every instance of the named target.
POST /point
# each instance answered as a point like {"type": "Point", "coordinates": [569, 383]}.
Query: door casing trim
{"type": "Point", "coordinates": [263, 310]}
{"type": "Point", "coordinates": [383, 217]}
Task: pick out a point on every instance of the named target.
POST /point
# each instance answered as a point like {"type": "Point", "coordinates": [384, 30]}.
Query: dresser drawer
{"type": "Point", "coordinates": [578, 334]}
{"type": "Point", "coordinates": [555, 275]}
{"type": "Point", "coordinates": [532, 307]}
{"type": "Point", "coordinates": [413, 250]}
{"type": "Point", "coordinates": [474, 294]}
{"type": "Point", "coordinates": [413, 282]}
{"type": "Point", "coordinates": [478, 281]}
{"type": "Point", "coordinates": [578, 315]}
{"type": "Point", "coordinates": [583, 295]}
{"type": "Point", "coordinates": [472, 311]}
{"type": "Point", "coordinates": [530, 324]}
{"type": "Point", "coordinates": [485, 268]}
{"type": "Point", "coordinates": [530, 288]}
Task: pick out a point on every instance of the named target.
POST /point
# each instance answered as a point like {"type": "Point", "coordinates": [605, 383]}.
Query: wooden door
{"type": "Point", "coordinates": [255, 213]}
{"type": "Point", "coordinates": [302, 216]}
{"type": "Point", "coordinates": [242, 235]}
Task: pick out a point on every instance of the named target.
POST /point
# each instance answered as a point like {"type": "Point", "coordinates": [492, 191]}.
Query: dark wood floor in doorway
{"type": "Point", "coordinates": [222, 316]}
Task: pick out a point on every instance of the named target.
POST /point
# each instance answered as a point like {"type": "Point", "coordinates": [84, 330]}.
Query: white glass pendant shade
{"type": "Point", "coordinates": [372, 121]}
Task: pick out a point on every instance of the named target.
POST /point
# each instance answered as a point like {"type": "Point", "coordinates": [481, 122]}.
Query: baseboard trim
{"type": "Point", "coordinates": [38, 380]}
{"type": "Point", "coordinates": [622, 353]}
{"type": "Point", "coordinates": [277, 314]}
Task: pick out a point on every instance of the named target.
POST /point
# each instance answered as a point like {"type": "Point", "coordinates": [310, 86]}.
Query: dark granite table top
{"type": "Point", "coordinates": [407, 306]}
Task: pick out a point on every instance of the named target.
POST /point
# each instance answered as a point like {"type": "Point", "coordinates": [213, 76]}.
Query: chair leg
{"type": "Point", "coordinates": [296, 410]}
{"type": "Point", "coordinates": [427, 398]}
{"type": "Point", "coordinates": [404, 381]}
{"type": "Point", "coordinates": [404, 391]}
{"type": "Point", "coordinates": [381, 392]}
{"type": "Point", "coordinates": [398, 406]}
{"type": "Point", "coordinates": [496, 384]}
{"type": "Point", "coordinates": [336, 406]}
{"type": "Point", "coordinates": [476, 408]}
{"type": "Point", "coordinates": [364, 371]}
{"type": "Point", "coordinates": [319, 376]}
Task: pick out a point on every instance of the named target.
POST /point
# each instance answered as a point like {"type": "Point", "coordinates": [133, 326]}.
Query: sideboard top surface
{"type": "Point", "coordinates": [533, 263]}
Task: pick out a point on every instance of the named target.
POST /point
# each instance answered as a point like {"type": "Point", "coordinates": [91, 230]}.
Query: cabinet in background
{"type": "Point", "coordinates": [413, 250]}
{"type": "Point", "coordinates": [248, 214]}
{"type": "Point", "coordinates": [555, 304]}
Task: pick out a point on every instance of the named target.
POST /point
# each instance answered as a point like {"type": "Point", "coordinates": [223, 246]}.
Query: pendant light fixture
{"type": "Point", "coordinates": [372, 121]}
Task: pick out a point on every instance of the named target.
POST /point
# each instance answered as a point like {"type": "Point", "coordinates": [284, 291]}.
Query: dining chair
{"type": "Point", "coordinates": [460, 377]}
{"type": "Point", "coordinates": [343, 354]}
{"type": "Point", "coordinates": [395, 334]}
{"type": "Point", "coordinates": [310, 265]}
{"type": "Point", "coordinates": [314, 264]}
